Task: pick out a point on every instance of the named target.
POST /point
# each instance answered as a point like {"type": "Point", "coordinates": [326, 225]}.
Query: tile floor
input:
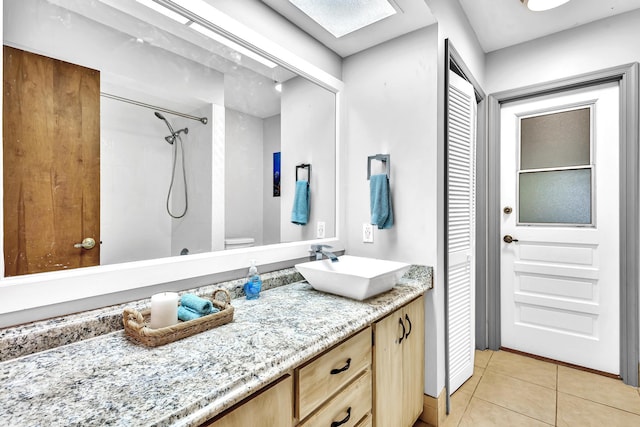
{"type": "Point", "coordinates": [507, 389]}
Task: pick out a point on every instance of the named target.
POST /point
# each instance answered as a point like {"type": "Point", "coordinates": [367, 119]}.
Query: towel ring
{"type": "Point", "coordinates": [384, 158]}
{"type": "Point", "coordinates": [304, 166]}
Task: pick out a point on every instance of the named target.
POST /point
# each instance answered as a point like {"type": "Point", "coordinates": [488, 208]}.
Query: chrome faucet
{"type": "Point", "coordinates": [317, 251]}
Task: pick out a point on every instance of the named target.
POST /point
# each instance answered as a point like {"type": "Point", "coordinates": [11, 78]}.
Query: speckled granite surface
{"type": "Point", "coordinates": [109, 380]}
{"type": "Point", "coordinates": [39, 336]}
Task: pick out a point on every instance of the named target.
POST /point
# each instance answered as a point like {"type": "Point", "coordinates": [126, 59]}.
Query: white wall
{"type": "Point", "coordinates": [193, 231]}
{"type": "Point", "coordinates": [391, 98]}
{"type": "Point", "coordinates": [135, 168]}
{"type": "Point", "coordinates": [272, 209]}
{"type": "Point", "coordinates": [308, 135]}
{"type": "Point", "coordinates": [595, 46]}
{"type": "Point", "coordinates": [244, 176]}
{"type": "Point", "coordinates": [454, 25]}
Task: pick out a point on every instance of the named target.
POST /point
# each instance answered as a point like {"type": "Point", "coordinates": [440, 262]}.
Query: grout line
{"type": "Point", "coordinates": [557, 393]}
{"type": "Point", "coordinates": [511, 410]}
{"type": "Point", "coordinates": [561, 363]}
{"type": "Point", "coordinates": [600, 403]}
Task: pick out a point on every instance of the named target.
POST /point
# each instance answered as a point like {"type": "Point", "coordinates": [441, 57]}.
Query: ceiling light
{"type": "Point", "coordinates": [540, 5]}
{"type": "Point", "coordinates": [278, 87]}
{"type": "Point", "coordinates": [341, 17]}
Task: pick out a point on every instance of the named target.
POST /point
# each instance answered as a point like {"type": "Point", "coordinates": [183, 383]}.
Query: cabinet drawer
{"type": "Point", "coordinates": [326, 375]}
{"type": "Point", "coordinates": [366, 422]}
{"type": "Point", "coordinates": [350, 406]}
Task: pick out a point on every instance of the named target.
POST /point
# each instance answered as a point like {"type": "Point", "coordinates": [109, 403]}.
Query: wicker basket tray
{"type": "Point", "coordinates": [136, 323]}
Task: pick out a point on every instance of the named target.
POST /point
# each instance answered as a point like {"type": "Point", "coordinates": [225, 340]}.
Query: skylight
{"type": "Point", "coordinates": [341, 17]}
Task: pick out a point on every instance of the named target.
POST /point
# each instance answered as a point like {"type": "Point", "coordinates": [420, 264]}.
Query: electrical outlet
{"type": "Point", "coordinates": [320, 226]}
{"type": "Point", "coordinates": [367, 233]}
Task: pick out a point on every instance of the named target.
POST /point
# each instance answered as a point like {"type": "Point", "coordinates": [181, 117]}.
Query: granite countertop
{"type": "Point", "coordinates": [110, 380]}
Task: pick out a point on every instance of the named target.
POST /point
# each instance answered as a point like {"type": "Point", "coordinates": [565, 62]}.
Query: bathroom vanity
{"type": "Point", "coordinates": [271, 366]}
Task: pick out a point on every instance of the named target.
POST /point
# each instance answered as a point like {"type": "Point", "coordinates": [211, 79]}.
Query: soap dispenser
{"type": "Point", "coordinates": [253, 285]}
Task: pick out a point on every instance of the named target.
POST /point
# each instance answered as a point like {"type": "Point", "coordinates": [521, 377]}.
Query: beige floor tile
{"type": "Point", "coordinates": [599, 389]}
{"type": "Point", "coordinates": [482, 358]}
{"type": "Point", "coordinates": [470, 385]}
{"type": "Point", "coordinates": [485, 414]}
{"type": "Point", "coordinates": [524, 368]}
{"type": "Point", "coordinates": [520, 396]}
{"type": "Point", "coordinates": [459, 402]}
{"type": "Point", "coordinates": [574, 411]}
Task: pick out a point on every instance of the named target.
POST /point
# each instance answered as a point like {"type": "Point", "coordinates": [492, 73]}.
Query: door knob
{"type": "Point", "coordinates": [87, 243]}
{"type": "Point", "coordinates": [508, 239]}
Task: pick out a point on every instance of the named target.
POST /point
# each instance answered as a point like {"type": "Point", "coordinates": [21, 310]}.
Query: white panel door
{"type": "Point", "coordinates": [560, 273]}
{"type": "Point", "coordinates": [461, 232]}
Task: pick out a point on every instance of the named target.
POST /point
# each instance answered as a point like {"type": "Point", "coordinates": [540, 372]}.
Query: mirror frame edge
{"type": "Point", "coordinates": [65, 290]}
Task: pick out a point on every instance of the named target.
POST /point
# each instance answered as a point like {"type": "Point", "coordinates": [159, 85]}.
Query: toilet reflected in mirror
{"type": "Point", "coordinates": [238, 242]}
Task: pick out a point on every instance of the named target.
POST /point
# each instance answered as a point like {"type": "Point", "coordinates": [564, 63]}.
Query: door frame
{"type": "Point", "coordinates": [627, 76]}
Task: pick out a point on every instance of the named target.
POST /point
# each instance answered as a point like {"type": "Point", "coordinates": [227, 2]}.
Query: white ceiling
{"type": "Point", "coordinates": [497, 23]}
{"type": "Point", "coordinates": [503, 23]}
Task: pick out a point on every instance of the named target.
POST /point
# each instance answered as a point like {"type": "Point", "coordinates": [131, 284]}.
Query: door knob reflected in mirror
{"type": "Point", "coordinates": [87, 243]}
{"type": "Point", "coordinates": [508, 239]}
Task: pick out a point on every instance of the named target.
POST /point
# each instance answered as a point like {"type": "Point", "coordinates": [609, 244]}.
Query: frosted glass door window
{"type": "Point", "coordinates": [558, 197]}
{"type": "Point", "coordinates": [555, 180]}
{"type": "Point", "coordinates": [556, 140]}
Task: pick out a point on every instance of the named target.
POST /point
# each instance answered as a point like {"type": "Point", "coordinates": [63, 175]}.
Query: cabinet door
{"type": "Point", "coordinates": [413, 361]}
{"type": "Point", "coordinates": [271, 407]}
{"type": "Point", "coordinates": [387, 360]}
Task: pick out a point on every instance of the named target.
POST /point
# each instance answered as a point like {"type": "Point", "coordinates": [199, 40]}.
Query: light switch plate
{"type": "Point", "coordinates": [320, 226]}
{"type": "Point", "coordinates": [367, 233]}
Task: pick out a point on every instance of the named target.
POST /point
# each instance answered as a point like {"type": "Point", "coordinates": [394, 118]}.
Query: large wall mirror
{"type": "Point", "coordinates": [199, 139]}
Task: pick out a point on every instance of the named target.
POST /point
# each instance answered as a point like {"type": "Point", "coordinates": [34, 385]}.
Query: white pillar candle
{"type": "Point", "coordinates": [164, 309]}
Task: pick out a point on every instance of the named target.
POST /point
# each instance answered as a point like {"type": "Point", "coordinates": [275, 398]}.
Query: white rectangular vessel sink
{"type": "Point", "coordinates": [353, 277]}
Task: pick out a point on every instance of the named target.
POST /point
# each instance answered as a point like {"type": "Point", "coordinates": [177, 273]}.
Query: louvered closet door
{"type": "Point", "coordinates": [461, 215]}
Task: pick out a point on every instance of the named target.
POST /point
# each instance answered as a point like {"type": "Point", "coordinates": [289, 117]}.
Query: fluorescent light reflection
{"type": "Point", "coordinates": [208, 13]}
{"type": "Point", "coordinates": [163, 10]}
{"type": "Point", "coordinates": [233, 45]}
{"type": "Point", "coordinates": [341, 17]}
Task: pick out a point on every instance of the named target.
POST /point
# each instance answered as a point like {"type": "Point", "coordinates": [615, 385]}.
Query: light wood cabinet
{"type": "Point", "coordinates": [350, 385]}
{"type": "Point", "coordinates": [335, 388]}
{"type": "Point", "coordinates": [398, 366]}
{"type": "Point", "coordinates": [366, 421]}
{"type": "Point", "coordinates": [270, 407]}
{"type": "Point", "coordinates": [346, 408]}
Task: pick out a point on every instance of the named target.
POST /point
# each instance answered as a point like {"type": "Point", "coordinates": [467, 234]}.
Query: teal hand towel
{"type": "Point", "coordinates": [185, 313]}
{"type": "Point", "coordinates": [381, 212]}
{"type": "Point", "coordinates": [196, 304]}
{"type": "Point", "coordinates": [300, 211]}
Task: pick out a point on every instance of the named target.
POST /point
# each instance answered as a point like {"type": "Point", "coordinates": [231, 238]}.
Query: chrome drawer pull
{"type": "Point", "coordinates": [344, 368]}
{"type": "Point", "coordinates": [339, 423]}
